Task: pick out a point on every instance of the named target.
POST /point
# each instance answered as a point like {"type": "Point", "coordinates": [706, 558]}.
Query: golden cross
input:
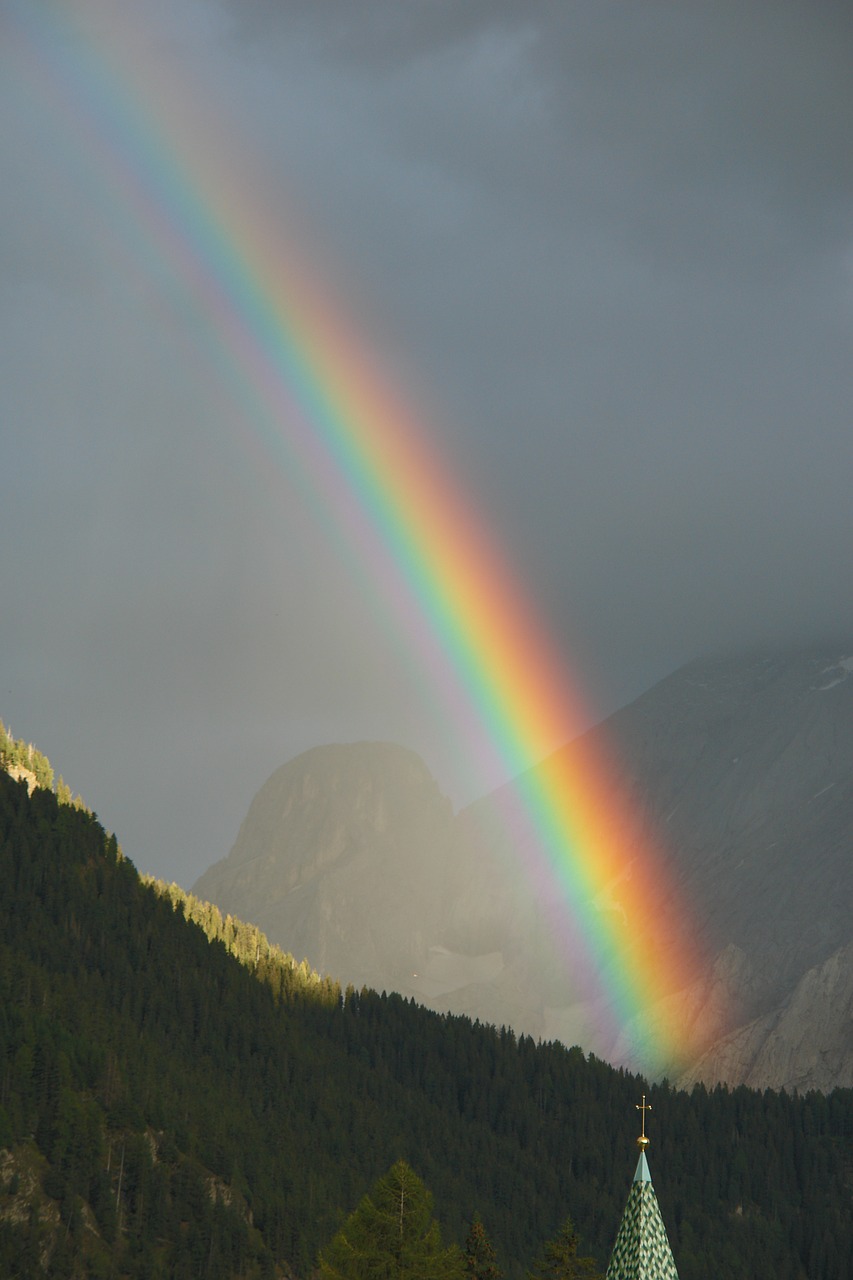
{"type": "Point", "coordinates": [643, 1107]}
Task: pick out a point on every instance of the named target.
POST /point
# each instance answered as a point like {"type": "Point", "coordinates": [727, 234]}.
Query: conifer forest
{"type": "Point", "coordinates": [180, 1099]}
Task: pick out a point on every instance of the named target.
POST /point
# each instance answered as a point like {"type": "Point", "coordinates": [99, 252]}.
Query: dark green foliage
{"type": "Point", "coordinates": [480, 1259]}
{"type": "Point", "coordinates": [559, 1259]}
{"type": "Point", "coordinates": [392, 1235]}
{"type": "Point", "coordinates": [166, 1111]}
{"type": "Point", "coordinates": [250, 946]}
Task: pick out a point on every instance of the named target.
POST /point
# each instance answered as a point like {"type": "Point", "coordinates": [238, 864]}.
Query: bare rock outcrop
{"type": "Point", "coordinates": [806, 1043]}
{"type": "Point", "coordinates": [346, 856]}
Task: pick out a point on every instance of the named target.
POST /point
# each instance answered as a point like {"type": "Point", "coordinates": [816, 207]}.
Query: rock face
{"type": "Point", "coordinates": [806, 1042]}
{"type": "Point", "coordinates": [346, 857]}
{"type": "Point", "coordinates": [745, 768]}
{"type": "Point", "coordinates": [742, 769]}
{"type": "Point", "coordinates": [351, 857]}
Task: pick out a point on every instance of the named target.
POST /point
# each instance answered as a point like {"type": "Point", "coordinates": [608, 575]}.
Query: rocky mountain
{"type": "Point", "coordinates": [350, 853]}
{"type": "Point", "coordinates": [742, 769]}
{"type": "Point", "coordinates": [745, 768]}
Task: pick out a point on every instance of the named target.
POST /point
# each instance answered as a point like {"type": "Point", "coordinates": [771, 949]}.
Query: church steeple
{"type": "Point", "coordinates": [642, 1251]}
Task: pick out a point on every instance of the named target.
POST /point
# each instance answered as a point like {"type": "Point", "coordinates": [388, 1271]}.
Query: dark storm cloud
{"type": "Point", "coordinates": [608, 244]}
{"type": "Point", "coordinates": [633, 224]}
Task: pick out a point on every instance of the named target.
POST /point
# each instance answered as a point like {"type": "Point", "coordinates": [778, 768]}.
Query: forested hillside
{"type": "Point", "coordinates": [170, 1110]}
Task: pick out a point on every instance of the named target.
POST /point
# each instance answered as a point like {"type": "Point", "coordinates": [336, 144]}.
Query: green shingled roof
{"type": "Point", "coordinates": [641, 1251]}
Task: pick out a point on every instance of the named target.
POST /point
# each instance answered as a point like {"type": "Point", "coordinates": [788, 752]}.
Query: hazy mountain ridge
{"type": "Point", "coordinates": [746, 768]}
{"type": "Point", "coordinates": [350, 855]}
{"type": "Point", "coordinates": [742, 768]}
{"type": "Point", "coordinates": [805, 1041]}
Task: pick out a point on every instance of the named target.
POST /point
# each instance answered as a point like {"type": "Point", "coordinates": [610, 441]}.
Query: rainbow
{"type": "Point", "coordinates": [310, 389]}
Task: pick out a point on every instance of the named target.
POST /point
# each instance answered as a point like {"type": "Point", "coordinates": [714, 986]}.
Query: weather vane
{"type": "Point", "coordinates": [643, 1107]}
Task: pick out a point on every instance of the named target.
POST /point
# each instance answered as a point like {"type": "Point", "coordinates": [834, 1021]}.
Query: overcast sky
{"type": "Point", "coordinates": [607, 248]}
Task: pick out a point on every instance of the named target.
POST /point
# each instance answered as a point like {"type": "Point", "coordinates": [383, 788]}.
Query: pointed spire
{"type": "Point", "coordinates": [642, 1251]}
{"type": "Point", "coordinates": [642, 1173]}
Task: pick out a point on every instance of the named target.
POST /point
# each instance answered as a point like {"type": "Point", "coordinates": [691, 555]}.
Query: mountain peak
{"type": "Point", "coordinates": [343, 849]}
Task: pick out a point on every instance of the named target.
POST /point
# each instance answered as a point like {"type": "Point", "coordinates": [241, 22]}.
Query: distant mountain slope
{"type": "Point", "coordinates": [354, 855]}
{"type": "Point", "coordinates": [350, 853]}
{"type": "Point", "coordinates": [745, 768]}
{"type": "Point", "coordinates": [806, 1040]}
{"type": "Point", "coordinates": [742, 768]}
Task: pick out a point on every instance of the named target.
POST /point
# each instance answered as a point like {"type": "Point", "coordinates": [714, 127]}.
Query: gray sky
{"type": "Point", "coordinates": [613, 243]}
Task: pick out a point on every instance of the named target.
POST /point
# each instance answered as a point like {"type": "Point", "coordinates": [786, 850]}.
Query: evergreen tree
{"type": "Point", "coordinates": [392, 1235]}
{"type": "Point", "coordinates": [480, 1258]}
{"type": "Point", "coordinates": [559, 1259]}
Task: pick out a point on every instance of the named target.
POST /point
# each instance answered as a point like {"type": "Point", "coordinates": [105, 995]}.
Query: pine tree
{"type": "Point", "coordinates": [480, 1258]}
{"type": "Point", "coordinates": [559, 1259]}
{"type": "Point", "coordinates": [392, 1235]}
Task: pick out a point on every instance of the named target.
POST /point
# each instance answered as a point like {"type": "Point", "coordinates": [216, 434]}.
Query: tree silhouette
{"type": "Point", "coordinates": [559, 1259]}
{"type": "Point", "coordinates": [480, 1258]}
